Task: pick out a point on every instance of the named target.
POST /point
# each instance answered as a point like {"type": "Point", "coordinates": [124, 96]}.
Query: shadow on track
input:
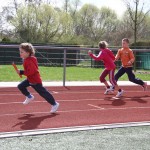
{"type": "Point", "coordinates": [29, 121]}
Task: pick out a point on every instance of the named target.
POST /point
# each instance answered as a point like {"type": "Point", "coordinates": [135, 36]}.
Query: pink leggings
{"type": "Point", "coordinates": [111, 76]}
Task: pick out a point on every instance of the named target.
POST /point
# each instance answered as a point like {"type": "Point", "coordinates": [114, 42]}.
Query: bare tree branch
{"type": "Point", "coordinates": [137, 15]}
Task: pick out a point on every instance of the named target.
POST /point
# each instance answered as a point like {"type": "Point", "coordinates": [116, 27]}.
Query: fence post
{"type": "Point", "coordinates": [64, 68]}
{"type": "Point", "coordinates": [91, 63]}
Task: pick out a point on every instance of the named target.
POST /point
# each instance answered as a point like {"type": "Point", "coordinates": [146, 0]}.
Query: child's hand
{"type": "Point", "coordinates": [89, 52]}
{"type": "Point", "coordinates": [116, 59]}
{"type": "Point", "coordinates": [129, 63]}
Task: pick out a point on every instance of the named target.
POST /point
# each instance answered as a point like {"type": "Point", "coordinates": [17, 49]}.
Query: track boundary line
{"type": "Point", "coordinates": [76, 100]}
{"type": "Point", "coordinates": [80, 110]}
{"type": "Point", "coordinates": [66, 92]}
{"type": "Point", "coordinates": [35, 101]}
{"type": "Point", "coordinates": [95, 106]}
{"type": "Point", "coordinates": [72, 129]}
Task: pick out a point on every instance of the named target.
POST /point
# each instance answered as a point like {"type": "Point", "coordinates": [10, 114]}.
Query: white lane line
{"type": "Point", "coordinates": [72, 129]}
{"type": "Point", "coordinates": [21, 103]}
{"type": "Point", "coordinates": [60, 92]}
{"type": "Point", "coordinates": [54, 92]}
{"type": "Point", "coordinates": [8, 103]}
{"type": "Point", "coordinates": [96, 106]}
{"type": "Point", "coordinates": [8, 94]}
{"type": "Point", "coordinates": [77, 100]}
{"type": "Point", "coordinates": [102, 109]}
{"type": "Point", "coordinates": [116, 98]}
{"type": "Point", "coordinates": [11, 94]}
{"type": "Point", "coordinates": [130, 98]}
{"type": "Point", "coordinates": [64, 111]}
{"type": "Point", "coordinates": [76, 110]}
{"type": "Point", "coordinates": [75, 92]}
{"type": "Point", "coordinates": [125, 108]}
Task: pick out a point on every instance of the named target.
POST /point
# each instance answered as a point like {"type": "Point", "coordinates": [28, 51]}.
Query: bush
{"type": "Point", "coordinates": [141, 44]}
{"type": "Point", "coordinates": [6, 40]}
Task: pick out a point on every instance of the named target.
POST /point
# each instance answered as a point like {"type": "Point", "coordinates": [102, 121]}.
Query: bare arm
{"type": "Point", "coordinates": [97, 58]}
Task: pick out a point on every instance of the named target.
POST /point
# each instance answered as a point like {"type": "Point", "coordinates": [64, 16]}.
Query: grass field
{"type": "Point", "coordinates": [133, 138]}
{"type": "Point", "coordinates": [7, 73]}
{"type": "Point", "coordinates": [56, 74]}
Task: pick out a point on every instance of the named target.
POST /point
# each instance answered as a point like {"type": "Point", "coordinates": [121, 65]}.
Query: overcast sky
{"type": "Point", "coordinates": [116, 5]}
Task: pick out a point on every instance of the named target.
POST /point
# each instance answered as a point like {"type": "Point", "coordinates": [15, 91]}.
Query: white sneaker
{"type": "Point", "coordinates": [28, 100]}
{"type": "Point", "coordinates": [144, 86]}
{"type": "Point", "coordinates": [54, 108]}
{"type": "Point", "coordinates": [119, 94]}
{"type": "Point", "coordinates": [111, 89]}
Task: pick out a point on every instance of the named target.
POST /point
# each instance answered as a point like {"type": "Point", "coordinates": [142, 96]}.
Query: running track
{"type": "Point", "coordinates": [79, 106]}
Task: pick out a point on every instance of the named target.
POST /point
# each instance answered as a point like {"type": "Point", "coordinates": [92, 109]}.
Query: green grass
{"type": "Point", "coordinates": [7, 73]}
{"type": "Point", "coordinates": [133, 138]}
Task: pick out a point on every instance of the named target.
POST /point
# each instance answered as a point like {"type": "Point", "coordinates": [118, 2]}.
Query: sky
{"type": "Point", "coordinates": [116, 5]}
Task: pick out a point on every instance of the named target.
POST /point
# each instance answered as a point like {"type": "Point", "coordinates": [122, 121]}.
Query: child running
{"type": "Point", "coordinates": [31, 71]}
{"type": "Point", "coordinates": [108, 58]}
{"type": "Point", "coordinates": [125, 54]}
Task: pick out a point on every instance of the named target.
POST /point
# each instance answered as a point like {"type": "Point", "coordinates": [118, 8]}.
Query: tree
{"type": "Point", "coordinates": [86, 19]}
{"type": "Point", "coordinates": [37, 23]}
{"type": "Point", "coordinates": [108, 23]}
{"type": "Point", "coordinates": [49, 23]}
{"type": "Point", "coordinates": [66, 5]}
{"type": "Point", "coordinates": [137, 15]}
{"type": "Point", "coordinates": [73, 12]}
{"type": "Point", "coordinates": [123, 29]}
{"type": "Point", "coordinates": [96, 24]}
{"type": "Point", "coordinates": [68, 17]}
{"type": "Point", "coordinates": [146, 29]}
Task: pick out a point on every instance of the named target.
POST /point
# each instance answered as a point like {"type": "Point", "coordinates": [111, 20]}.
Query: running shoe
{"type": "Point", "coordinates": [119, 94]}
{"type": "Point", "coordinates": [144, 86]}
{"type": "Point", "coordinates": [28, 100]}
{"type": "Point", "coordinates": [111, 89]}
{"type": "Point", "coordinates": [54, 108]}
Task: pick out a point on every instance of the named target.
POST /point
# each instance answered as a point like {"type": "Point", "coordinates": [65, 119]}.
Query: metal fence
{"type": "Point", "coordinates": [69, 56]}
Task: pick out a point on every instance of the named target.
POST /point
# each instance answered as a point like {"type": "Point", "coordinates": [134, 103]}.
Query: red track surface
{"type": "Point", "coordinates": [79, 106]}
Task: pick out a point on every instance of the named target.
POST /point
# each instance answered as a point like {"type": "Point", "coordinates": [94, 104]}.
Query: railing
{"type": "Point", "coordinates": [68, 56]}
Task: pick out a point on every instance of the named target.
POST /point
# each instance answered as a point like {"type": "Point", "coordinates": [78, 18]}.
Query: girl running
{"type": "Point", "coordinates": [108, 58]}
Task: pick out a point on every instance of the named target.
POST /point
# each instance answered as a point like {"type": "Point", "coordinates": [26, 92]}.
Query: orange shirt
{"type": "Point", "coordinates": [126, 55]}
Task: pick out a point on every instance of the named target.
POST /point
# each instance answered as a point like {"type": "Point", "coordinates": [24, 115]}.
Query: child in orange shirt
{"type": "Point", "coordinates": [125, 54]}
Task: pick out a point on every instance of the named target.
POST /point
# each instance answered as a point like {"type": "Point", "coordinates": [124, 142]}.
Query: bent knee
{"type": "Point", "coordinates": [102, 79]}
{"type": "Point", "coordinates": [19, 86]}
{"type": "Point", "coordinates": [131, 79]}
